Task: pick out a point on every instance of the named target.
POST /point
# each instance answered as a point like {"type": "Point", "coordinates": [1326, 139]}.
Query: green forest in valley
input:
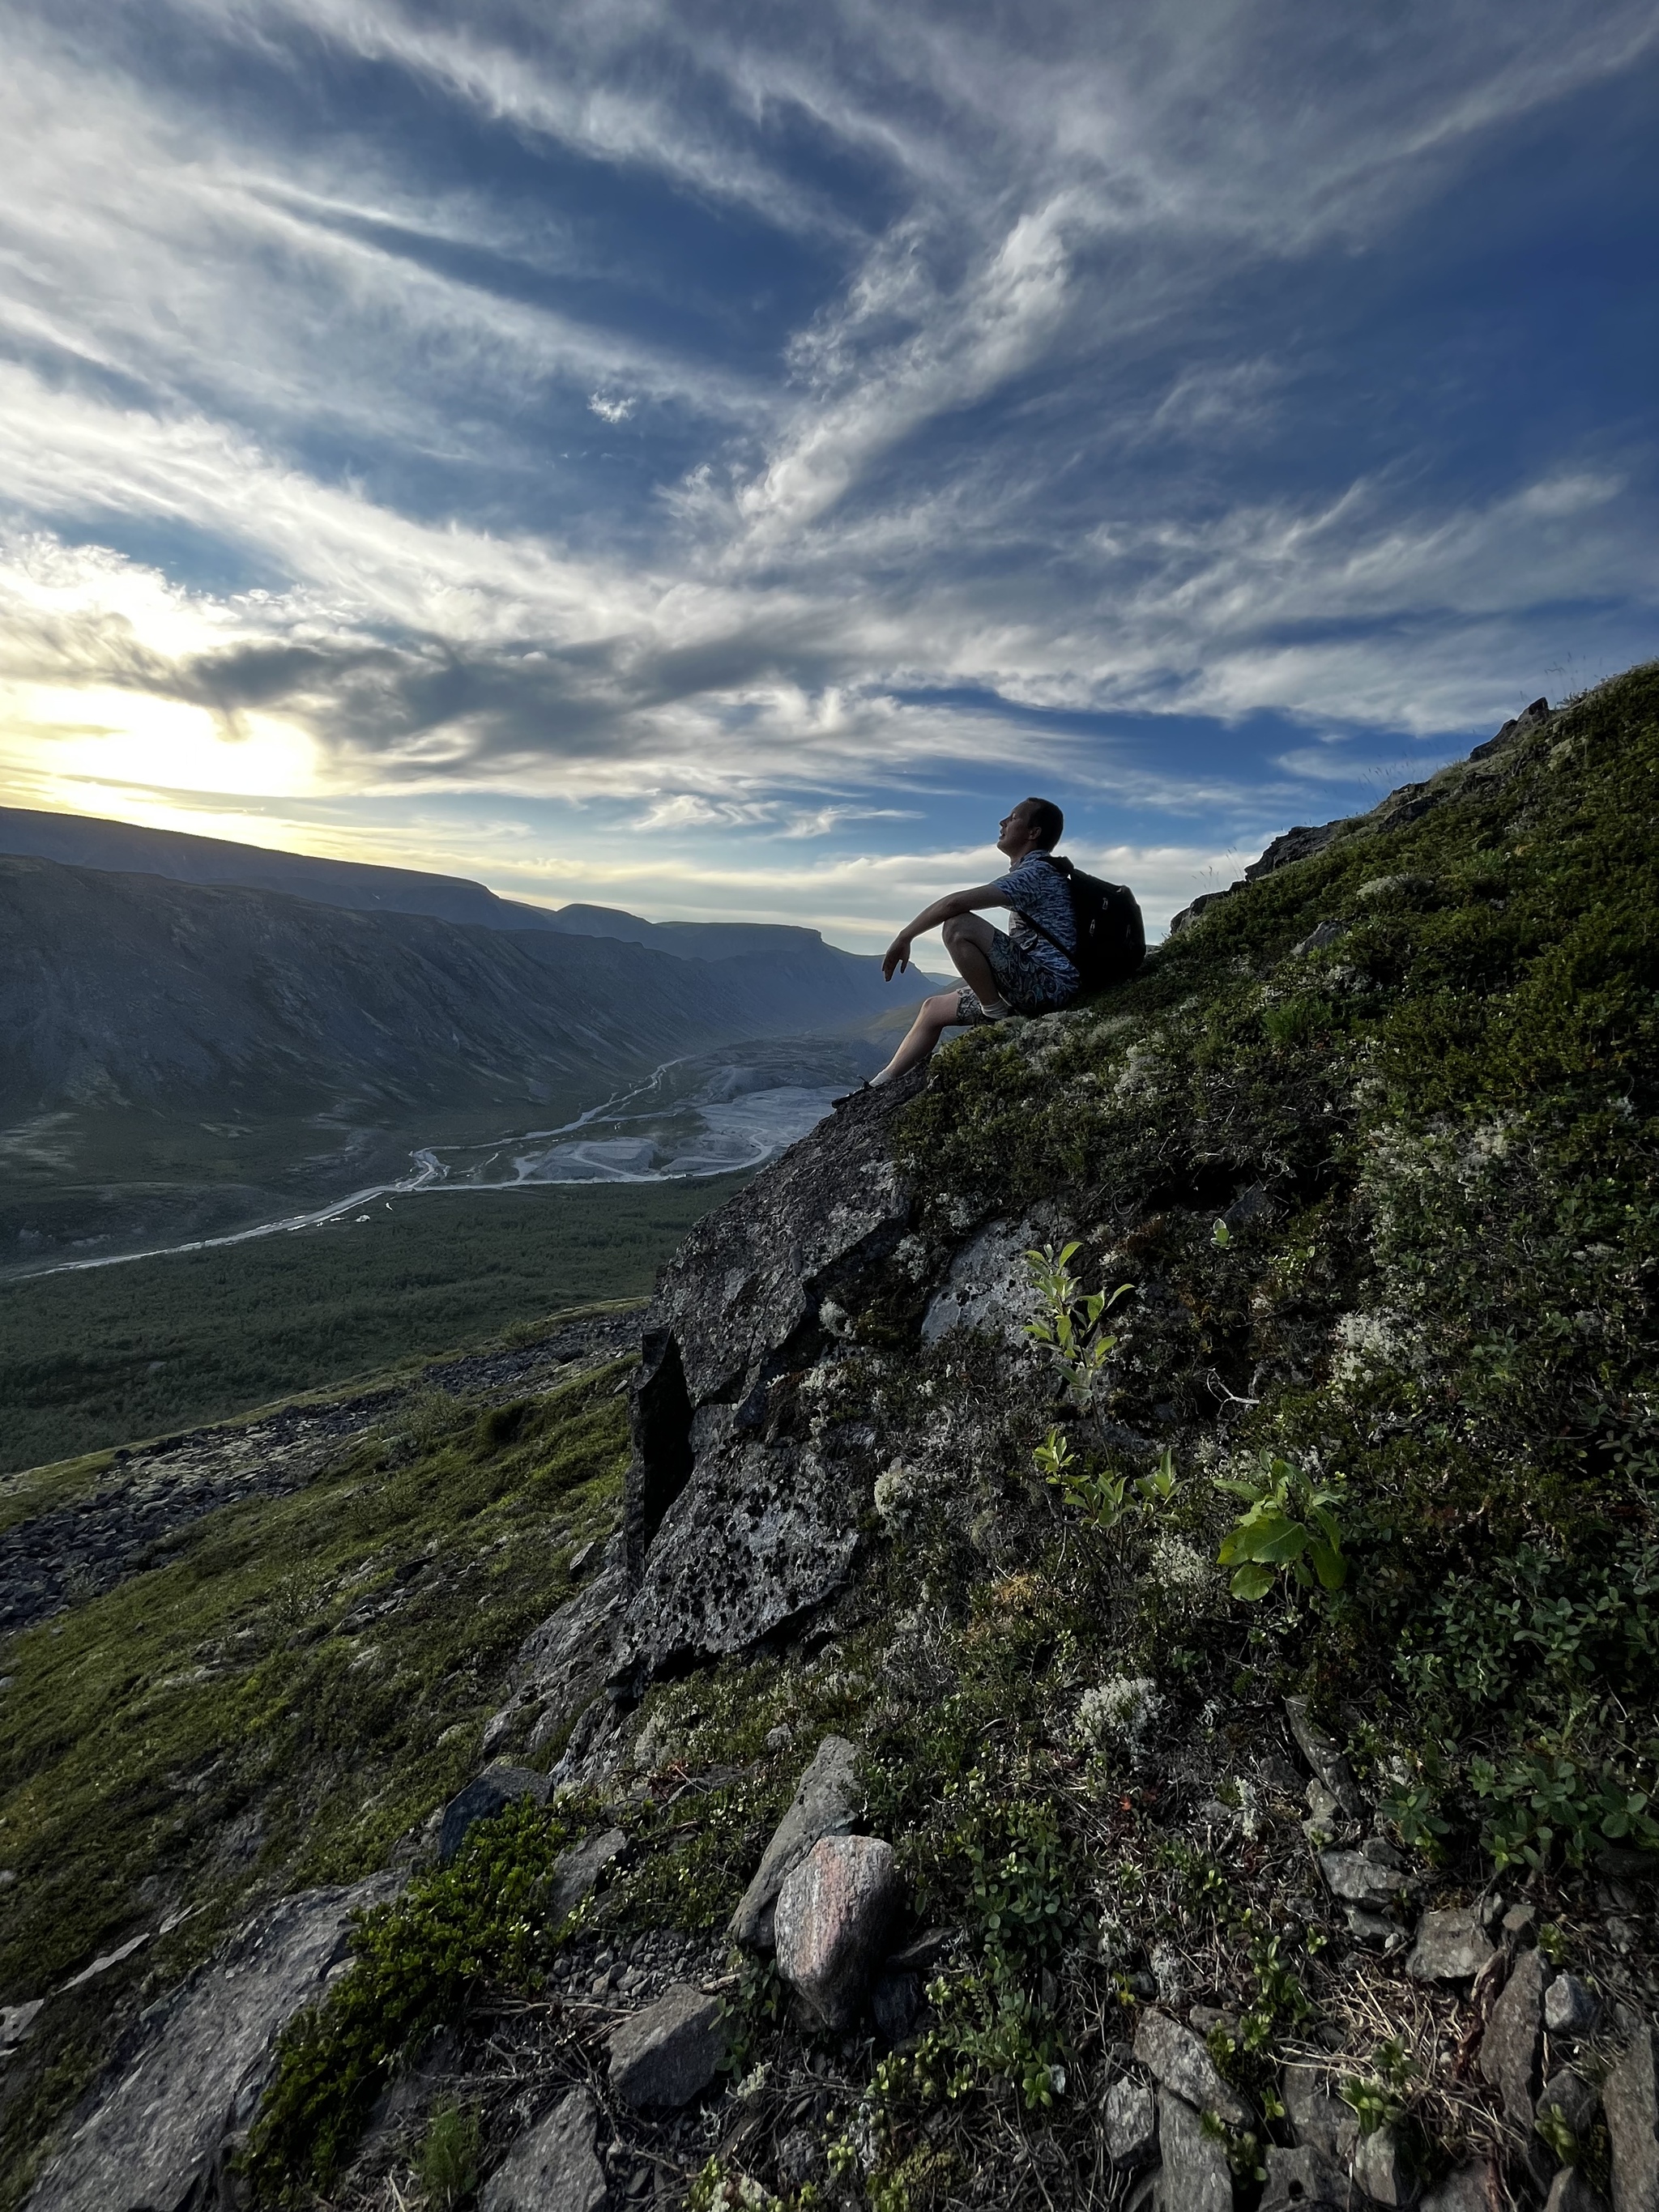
{"type": "Point", "coordinates": [114, 1354]}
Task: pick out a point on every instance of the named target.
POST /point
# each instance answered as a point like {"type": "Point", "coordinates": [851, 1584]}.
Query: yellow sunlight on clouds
{"type": "Point", "coordinates": [67, 746]}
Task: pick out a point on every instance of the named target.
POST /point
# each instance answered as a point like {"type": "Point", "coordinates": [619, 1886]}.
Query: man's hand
{"type": "Point", "coordinates": [895, 959]}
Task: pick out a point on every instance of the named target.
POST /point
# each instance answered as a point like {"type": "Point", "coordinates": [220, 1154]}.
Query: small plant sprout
{"type": "Point", "coordinates": [448, 2163]}
{"type": "Point", "coordinates": [1379, 2099]}
{"type": "Point", "coordinates": [1289, 1527]}
{"type": "Point", "coordinates": [1068, 1322]}
{"type": "Point", "coordinates": [1103, 1495]}
{"type": "Point", "coordinates": [1221, 1236]}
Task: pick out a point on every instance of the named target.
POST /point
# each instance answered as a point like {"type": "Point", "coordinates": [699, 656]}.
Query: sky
{"type": "Point", "coordinates": [712, 459]}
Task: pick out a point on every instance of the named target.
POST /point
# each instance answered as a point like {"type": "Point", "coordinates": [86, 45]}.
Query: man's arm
{"type": "Point", "coordinates": [897, 955]}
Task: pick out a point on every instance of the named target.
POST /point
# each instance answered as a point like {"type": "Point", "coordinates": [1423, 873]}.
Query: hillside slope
{"type": "Point", "coordinates": [1254, 1679]}
{"type": "Point", "coordinates": [83, 840]}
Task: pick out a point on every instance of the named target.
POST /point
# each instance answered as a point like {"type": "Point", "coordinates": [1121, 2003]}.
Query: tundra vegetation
{"type": "Point", "coordinates": [1329, 1378]}
{"type": "Point", "coordinates": [93, 1359]}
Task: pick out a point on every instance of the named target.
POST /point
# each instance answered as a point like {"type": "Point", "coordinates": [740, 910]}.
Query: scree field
{"type": "Point", "coordinates": [101, 1357]}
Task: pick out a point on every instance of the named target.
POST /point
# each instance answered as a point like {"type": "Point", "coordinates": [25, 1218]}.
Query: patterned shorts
{"type": "Point", "coordinates": [1028, 986]}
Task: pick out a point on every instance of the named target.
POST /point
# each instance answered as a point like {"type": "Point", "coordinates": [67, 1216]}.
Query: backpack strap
{"type": "Point", "coordinates": [1064, 867]}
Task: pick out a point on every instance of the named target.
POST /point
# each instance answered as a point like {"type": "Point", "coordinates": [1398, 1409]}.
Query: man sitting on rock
{"type": "Point", "coordinates": [1026, 970]}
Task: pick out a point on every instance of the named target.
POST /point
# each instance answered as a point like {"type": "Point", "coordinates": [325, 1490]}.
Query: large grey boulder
{"type": "Point", "coordinates": [1631, 2101]}
{"type": "Point", "coordinates": [825, 1803]}
{"type": "Point", "coordinates": [155, 2135]}
{"type": "Point", "coordinates": [733, 1529]}
{"type": "Point", "coordinates": [1512, 2045]}
{"type": "Point", "coordinates": [1194, 2176]}
{"type": "Point", "coordinates": [832, 1920]}
{"type": "Point", "coordinates": [669, 2052]}
{"type": "Point", "coordinates": [766, 1534]}
{"type": "Point", "coordinates": [1181, 2064]}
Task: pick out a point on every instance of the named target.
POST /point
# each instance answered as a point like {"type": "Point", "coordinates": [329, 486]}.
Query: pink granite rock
{"type": "Point", "coordinates": [832, 1916]}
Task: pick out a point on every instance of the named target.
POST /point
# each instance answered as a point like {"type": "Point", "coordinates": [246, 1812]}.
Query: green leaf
{"type": "Point", "coordinates": [1329, 1565]}
{"type": "Point", "coordinates": [1271, 1538]}
{"type": "Point", "coordinates": [1235, 1488]}
{"type": "Point", "coordinates": [1252, 1581]}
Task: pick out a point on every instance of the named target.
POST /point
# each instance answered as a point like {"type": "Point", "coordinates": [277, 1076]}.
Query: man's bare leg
{"type": "Point", "coordinates": [967, 940]}
{"type": "Point", "coordinates": [934, 1017]}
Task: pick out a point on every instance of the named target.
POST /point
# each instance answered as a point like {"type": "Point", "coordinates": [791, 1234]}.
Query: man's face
{"type": "Point", "coordinates": [1014, 831]}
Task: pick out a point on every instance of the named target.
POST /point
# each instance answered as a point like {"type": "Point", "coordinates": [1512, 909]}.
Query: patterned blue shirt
{"type": "Point", "coordinates": [1035, 887]}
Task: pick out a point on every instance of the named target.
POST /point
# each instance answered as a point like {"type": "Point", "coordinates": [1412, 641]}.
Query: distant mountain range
{"type": "Point", "coordinates": [119, 989]}
{"type": "Point", "coordinates": [84, 841]}
{"type": "Point", "coordinates": [200, 1035]}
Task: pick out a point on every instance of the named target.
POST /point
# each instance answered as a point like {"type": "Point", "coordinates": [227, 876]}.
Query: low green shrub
{"type": "Point", "coordinates": [481, 1920]}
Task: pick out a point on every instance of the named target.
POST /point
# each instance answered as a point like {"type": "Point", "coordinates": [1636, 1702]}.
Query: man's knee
{"type": "Point", "coordinates": [963, 929]}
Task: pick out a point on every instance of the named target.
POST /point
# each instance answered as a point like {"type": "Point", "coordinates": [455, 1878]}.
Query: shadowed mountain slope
{"type": "Point", "coordinates": [124, 989]}
{"type": "Point", "coordinates": [85, 841]}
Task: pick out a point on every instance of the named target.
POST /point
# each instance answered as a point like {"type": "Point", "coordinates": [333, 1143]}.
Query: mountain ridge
{"type": "Point", "coordinates": [88, 841]}
{"type": "Point", "coordinates": [127, 989]}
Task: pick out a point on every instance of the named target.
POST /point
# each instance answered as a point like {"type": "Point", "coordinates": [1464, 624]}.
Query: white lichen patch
{"type": "Point", "coordinates": [1119, 1711]}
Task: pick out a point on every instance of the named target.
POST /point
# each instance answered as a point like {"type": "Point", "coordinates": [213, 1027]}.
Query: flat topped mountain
{"type": "Point", "coordinates": [83, 840]}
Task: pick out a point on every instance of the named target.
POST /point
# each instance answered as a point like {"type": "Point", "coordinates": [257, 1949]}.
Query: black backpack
{"type": "Point", "coordinates": [1111, 938]}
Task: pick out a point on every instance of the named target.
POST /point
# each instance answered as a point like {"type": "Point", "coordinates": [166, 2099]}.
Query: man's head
{"type": "Point", "coordinates": [1035, 825]}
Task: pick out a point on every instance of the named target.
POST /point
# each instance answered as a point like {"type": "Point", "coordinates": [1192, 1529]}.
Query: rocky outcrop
{"type": "Point", "coordinates": [1405, 805]}
{"type": "Point", "coordinates": [738, 1525]}
{"type": "Point", "coordinates": [158, 2135]}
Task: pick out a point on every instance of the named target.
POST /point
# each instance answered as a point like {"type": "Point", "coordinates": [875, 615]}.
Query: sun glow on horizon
{"type": "Point", "coordinates": [101, 737]}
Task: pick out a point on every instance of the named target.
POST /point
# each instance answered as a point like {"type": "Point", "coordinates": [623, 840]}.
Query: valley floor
{"type": "Point", "coordinates": [89, 1361]}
